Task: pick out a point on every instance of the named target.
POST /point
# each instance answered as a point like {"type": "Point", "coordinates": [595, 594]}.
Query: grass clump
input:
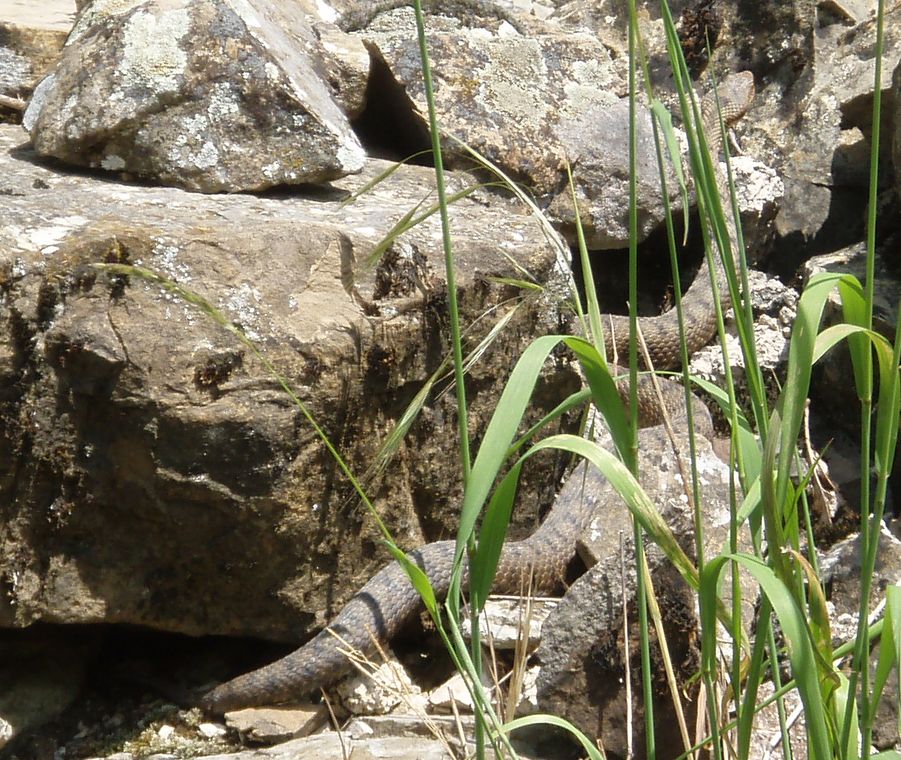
{"type": "Point", "coordinates": [769, 498]}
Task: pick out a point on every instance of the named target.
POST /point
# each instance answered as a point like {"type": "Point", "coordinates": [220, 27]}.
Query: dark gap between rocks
{"type": "Point", "coordinates": [655, 291]}
{"type": "Point", "coordinates": [117, 679]}
{"type": "Point", "coordinates": [387, 128]}
{"type": "Point", "coordinates": [114, 679]}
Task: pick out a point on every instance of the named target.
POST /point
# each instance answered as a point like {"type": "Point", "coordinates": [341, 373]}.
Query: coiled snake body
{"type": "Point", "coordinates": [388, 600]}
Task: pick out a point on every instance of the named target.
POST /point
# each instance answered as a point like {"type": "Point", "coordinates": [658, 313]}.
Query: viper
{"type": "Point", "coordinates": [388, 600]}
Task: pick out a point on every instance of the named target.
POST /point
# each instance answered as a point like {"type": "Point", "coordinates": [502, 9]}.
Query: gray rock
{"type": "Point", "coordinates": [774, 306]}
{"type": "Point", "coordinates": [401, 748]}
{"type": "Point", "coordinates": [759, 191]}
{"type": "Point", "coordinates": [453, 697]}
{"type": "Point", "coordinates": [529, 103]}
{"type": "Point", "coordinates": [346, 67]}
{"type": "Point", "coordinates": [333, 745]}
{"type": "Point", "coordinates": [581, 676]}
{"type": "Point", "coordinates": [852, 10]}
{"type": "Point", "coordinates": [409, 726]}
{"type": "Point", "coordinates": [383, 687]}
{"type": "Point", "coordinates": [201, 95]}
{"type": "Point", "coordinates": [271, 725]}
{"type": "Point", "coordinates": [504, 619]}
{"type": "Point", "coordinates": [840, 569]}
{"type": "Point", "coordinates": [827, 145]}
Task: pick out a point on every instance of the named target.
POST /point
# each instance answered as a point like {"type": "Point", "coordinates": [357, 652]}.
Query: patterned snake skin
{"type": "Point", "coordinates": [388, 600]}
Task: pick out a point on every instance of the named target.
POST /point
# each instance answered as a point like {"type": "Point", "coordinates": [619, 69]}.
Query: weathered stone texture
{"type": "Point", "coordinates": [210, 96]}
{"type": "Point", "coordinates": [151, 471]}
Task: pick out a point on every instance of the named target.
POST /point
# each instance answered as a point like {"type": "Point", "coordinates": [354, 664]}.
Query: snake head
{"type": "Point", "coordinates": [735, 93]}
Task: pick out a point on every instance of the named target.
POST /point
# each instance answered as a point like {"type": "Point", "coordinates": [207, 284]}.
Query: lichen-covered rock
{"type": "Point", "coordinates": [530, 103]}
{"type": "Point", "coordinates": [209, 96]}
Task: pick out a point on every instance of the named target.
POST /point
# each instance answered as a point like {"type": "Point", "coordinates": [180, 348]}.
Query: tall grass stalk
{"type": "Point", "coordinates": [641, 570]}
{"type": "Point", "coordinates": [869, 531]}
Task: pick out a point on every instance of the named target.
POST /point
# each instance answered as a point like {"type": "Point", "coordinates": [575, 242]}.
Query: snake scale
{"type": "Point", "coordinates": [388, 600]}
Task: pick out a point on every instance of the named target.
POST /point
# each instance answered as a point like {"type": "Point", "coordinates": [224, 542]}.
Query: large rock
{"type": "Point", "coordinates": [827, 144]}
{"type": "Point", "coordinates": [529, 104]}
{"type": "Point", "coordinates": [152, 472]}
{"type": "Point", "coordinates": [31, 37]}
{"type": "Point", "coordinates": [209, 96]}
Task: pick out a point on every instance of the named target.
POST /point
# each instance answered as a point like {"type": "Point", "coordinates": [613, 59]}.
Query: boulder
{"type": "Point", "coordinates": [530, 104]}
{"type": "Point", "coordinates": [209, 96]}
{"type": "Point", "coordinates": [152, 472]}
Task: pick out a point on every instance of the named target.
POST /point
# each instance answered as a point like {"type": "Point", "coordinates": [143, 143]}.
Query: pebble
{"type": "Point", "coordinates": [165, 731]}
{"type": "Point", "coordinates": [211, 730]}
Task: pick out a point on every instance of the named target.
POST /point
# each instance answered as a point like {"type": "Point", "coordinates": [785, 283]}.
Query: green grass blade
{"type": "Point", "coordinates": [574, 401]}
{"type": "Point", "coordinates": [843, 705]}
{"type": "Point", "coordinates": [889, 646]}
{"type": "Point", "coordinates": [540, 719]}
{"type": "Point", "coordinates": [887, 418]}
{"type": "Point", "coordinates": [751, 503]}
{"type": "Point", "coordinates": [818, 619]}
{"type": "Point", "coordinates": [491, 538]}
{"type": "Point", "coordinates": [889, 400]}
{"type": "Point", "coordinates": [794, 627]}
{"type": "Point", "coordinates": [606, 396]}
{"type": "Point", "coordinates": [674, 151]}
{"type": "Point", "coordinates": [393, 440]}
{"type": "Point", "coordinates": [854, 312]}
{"type": "Point", "coordinates": [381, 177]}
{"type": "Point", "coordinates": [743, 435]}
{"type": "Point", "coordinates": [496, 446]}
{"type": "Point", "coordinates": [793, 398]}
{"type": "Point", "coordinates": [501, 431]}
{"type": "Point", "coordinates": [499, 435]}
{"type": "Point", "coordinates": [596, 329]}
{"type": "Point", "coordinates": [637, 501]}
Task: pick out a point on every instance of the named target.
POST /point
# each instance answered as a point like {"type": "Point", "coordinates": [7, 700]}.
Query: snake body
{"type": "Point", "coordinates": [388, 600]}
{"type": "Point", "coordinates": [661, 333]}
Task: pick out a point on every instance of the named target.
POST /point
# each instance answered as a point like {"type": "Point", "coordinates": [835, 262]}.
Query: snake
{"type": "Point", "coordinates": [388, 601]}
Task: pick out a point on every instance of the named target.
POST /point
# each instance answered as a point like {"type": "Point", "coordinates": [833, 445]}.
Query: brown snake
{"type": "Point", "coordinates": [388, 600]}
